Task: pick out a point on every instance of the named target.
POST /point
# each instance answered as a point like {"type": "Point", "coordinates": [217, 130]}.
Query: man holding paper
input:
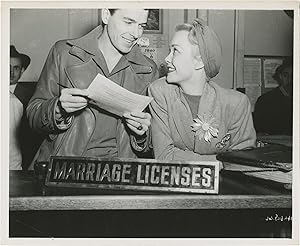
{"type": "Point", "coordinates": [68, 110]}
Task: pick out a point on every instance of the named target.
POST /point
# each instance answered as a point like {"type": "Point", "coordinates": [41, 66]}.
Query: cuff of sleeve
{"type": "Point", "coordinates": [139, 144]}
{"type": "Point", "coordinates": [61, 121]}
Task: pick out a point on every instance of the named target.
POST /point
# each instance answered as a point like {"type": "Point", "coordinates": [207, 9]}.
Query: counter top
{"type": "Point", "coordinates": [236, 191]}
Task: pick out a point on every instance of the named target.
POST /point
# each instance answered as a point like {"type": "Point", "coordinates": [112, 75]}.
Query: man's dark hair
{"type": "Point", "coordinates": [112, 11]}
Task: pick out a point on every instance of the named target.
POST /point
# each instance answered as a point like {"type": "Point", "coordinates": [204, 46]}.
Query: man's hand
{"type": "Point", "coordinates": [138, 122]}
{"type": "Point", "coordinates": [73, 99]}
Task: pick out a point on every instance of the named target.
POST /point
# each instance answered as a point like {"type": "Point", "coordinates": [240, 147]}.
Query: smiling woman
{"type": "Point", "coordinates": [193, 116]}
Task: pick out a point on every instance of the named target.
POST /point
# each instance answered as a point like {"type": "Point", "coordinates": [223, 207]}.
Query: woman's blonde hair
{"type": "Point", "coordinates": [190, 29]}
{"type": "Point", "coordinates": [191, 36]}
{"type": "Point", "coordinates": [207, 43]}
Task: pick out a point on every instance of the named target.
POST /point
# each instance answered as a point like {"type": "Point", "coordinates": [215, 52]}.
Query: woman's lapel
{"type": "Point", "coordinates": [208, 107]}
{"type": "Point", "coordinates": [183, 119]}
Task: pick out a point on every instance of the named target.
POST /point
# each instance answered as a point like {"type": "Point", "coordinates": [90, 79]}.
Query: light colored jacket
{"type": "Point", "coordinates": [172, 136]}
{"type": "Point", "coordinates": [15, 116]}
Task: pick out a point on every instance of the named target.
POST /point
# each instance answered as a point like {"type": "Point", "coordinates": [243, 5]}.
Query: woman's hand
{"type": "Point", "coordinates": [73, 99]}
{"type": "Point", "coordinates": [138, 122]}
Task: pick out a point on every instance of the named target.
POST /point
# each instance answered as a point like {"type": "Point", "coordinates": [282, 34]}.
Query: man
{"type": "Point", "coordinates": [18, 64]}
{"type": "Point", "coordinates": [273, 112]}
{"type": "Point", "coordinates": [60, 107]}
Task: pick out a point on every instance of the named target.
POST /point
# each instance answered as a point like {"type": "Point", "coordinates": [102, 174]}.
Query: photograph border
{"type": "Point", "coordinates": [4, 133]}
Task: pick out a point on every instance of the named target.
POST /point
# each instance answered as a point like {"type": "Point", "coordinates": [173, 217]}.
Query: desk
{"type": "Point", "coordinates": [243, 208]}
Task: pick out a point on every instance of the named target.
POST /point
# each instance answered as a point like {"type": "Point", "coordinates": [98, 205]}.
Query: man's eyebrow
{"type": "Point", "coordinates": [129, 19]}
{"type": "Point", "coordinates": [133, 20]}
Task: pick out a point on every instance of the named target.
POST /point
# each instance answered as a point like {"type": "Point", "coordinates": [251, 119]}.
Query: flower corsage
{"type": "Point", "coordinates": [205, 127]}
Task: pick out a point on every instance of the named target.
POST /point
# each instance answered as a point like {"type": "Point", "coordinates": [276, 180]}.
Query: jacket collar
{"type": "Point", "coordinates": [89, 44]}
{"type": "Point", "coordinates": [135, 56]}
{"type": "Point", "coordinates": [183, 120]}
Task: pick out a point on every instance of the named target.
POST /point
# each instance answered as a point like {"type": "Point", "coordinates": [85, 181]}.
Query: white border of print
{"type": "Point", "coordinates": [5, 6]}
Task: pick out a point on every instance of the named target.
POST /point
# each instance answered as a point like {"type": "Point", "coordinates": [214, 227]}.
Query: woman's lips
{"type": "Point", "coordinates": [171, 69]}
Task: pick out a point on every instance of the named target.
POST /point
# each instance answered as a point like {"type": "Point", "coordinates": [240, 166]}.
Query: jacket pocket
{"type": "Point", "coordinates": [81, 75]}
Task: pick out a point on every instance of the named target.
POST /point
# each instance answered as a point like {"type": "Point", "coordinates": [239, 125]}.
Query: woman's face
{"type": "Point", "coordinates": [181, 60]}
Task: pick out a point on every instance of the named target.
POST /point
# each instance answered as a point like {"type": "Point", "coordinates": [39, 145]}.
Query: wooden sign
{"type": "Point", "coordinates": [134, 174]}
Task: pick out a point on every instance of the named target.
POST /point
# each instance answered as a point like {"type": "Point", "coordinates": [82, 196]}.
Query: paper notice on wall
{"type": "Point", "coordinates": [143, 42]}
{"type": "Point", "coordinates": [252, 72]}
{"type": "Point", "coordinates": [115, 99]}
{"type": "Point", "coordinates": [253, 94]}
{"type": "Point", "coordinates": [150, 53]}
{"type": "Point", "coordinates": [270, 66]}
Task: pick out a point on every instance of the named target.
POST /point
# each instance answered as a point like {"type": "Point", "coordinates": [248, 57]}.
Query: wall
{"type": "Point", "coordinates": [249, 32]}
{"type": "Point", "coordinates": [262, 33]}
{"type": "Point", "coordinates": [222, 22]}
{"type": "Point", "coordinates": [268, 33]}
{"type": "Point", "coordinates": [30, 38]}
{"type": "Point", "coordinates": [34, 31]}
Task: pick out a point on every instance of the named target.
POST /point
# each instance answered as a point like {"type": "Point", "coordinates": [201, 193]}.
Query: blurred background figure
{"type": "Point", "coordinates": [15, 117]}
{"type": "Point", "coordinates": [273, 113]}
{"type": "Point", "coordinates": [18, 64]}
{"type": "Point", "coordinates": [24, 142]}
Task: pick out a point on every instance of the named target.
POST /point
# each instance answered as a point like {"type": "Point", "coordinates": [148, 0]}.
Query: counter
{"type": "Point", "coordinates": [244, 207]}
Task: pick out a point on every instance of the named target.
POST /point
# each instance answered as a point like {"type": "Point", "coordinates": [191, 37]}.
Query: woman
{"type": "Point", "coordinates": [193, 116]}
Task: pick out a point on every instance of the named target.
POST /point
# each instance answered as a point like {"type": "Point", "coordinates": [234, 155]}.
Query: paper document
{"type": "Point", "coordinates": [113, 98]}
{"type": "Point", "coordinates": [252, 72]}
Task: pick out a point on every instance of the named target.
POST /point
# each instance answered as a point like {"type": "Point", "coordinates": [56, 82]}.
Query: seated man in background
{"type": "Point", "coordinates": [21, 92]}
{"type": "Point", "coordinates": [273, 113]}
{"type": "Point", "coordinates": [18, 64]}
{"type": "Point", "coordinates": [60, 106]}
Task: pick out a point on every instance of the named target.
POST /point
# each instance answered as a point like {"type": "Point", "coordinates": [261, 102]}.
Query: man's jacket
{"type": "Point", "coordinates": [74, 64]}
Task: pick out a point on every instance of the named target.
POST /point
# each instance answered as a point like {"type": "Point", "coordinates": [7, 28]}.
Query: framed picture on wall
{"type": "Point", "coordinates": [155, 22]}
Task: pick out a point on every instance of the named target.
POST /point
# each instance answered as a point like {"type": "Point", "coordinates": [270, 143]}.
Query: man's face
{"type": "Point", "coordinates": [287, 79]}
{"type": "Point", "coordinates": [16, 70]}
{"type": "Point", "coordinates": [181, 59]}
{"type": "Point", "coordinates": [125, 27]}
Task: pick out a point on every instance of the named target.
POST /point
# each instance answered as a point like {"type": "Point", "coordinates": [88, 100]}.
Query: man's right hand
{"type": "Point", "coordinates": [73, 99]}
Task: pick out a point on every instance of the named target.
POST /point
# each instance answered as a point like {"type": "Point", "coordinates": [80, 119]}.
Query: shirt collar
{"type": "Point", "coordinates": [136, 56]}
{"type": "Point", "coordinates": [283, 91]}
{"type": "Point", "coordinates": [12, 88]}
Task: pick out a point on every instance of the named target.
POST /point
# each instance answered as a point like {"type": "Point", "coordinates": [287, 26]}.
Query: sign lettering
{"type": "Point", "coordinates": [134, 174]}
